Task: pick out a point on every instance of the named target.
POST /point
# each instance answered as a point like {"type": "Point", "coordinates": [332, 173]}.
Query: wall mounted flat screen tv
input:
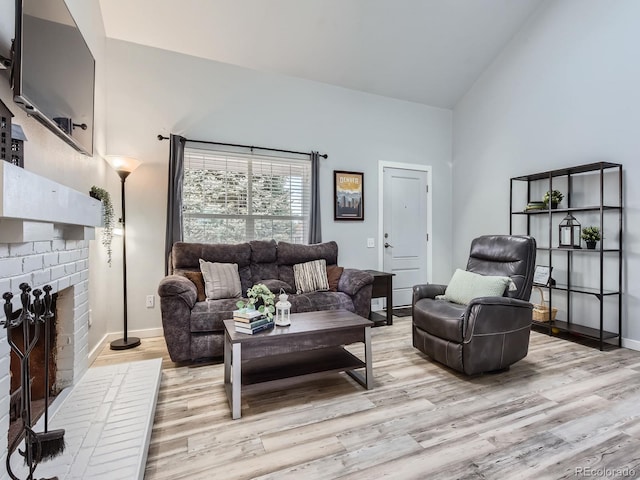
{"type": "Point", "coordinates": [54, 71]}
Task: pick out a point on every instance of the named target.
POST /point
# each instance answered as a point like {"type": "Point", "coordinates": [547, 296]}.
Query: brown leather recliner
{"type": "Point", "coordinates": [490, 333]}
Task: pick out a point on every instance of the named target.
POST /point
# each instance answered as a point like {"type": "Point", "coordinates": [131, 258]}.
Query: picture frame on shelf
{"type": "Point", "coordinates": [348, 195]}
{"type": "Point", "coordinates": [542, 275]}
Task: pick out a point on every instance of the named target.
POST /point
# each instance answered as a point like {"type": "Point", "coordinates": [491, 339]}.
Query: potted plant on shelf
{"type": "Point", "coordinates": [591, 235]}
{"type": "Point", "coordinates": [555, 196]}
{"type": "Point", "coordinates": [107, 217]}
{"type": "Point", "coordinates": [259, 298]}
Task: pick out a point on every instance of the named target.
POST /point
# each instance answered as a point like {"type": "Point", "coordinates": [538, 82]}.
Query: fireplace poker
{"type": "Point", "coordinates": [22, 318]}
{"type": "Point", "coordinates": [49, 444]}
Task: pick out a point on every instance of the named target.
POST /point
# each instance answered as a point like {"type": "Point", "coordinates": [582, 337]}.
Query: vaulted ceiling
{"type": "Point", "coordinates": [425, 51]}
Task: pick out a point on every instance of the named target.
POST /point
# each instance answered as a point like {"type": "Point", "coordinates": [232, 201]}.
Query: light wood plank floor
{"type": "Point", "coordinates": [565, 407]}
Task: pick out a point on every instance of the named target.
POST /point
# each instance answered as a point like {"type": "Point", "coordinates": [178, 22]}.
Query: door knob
{"type": "Point", "coordinates": [387, 245]}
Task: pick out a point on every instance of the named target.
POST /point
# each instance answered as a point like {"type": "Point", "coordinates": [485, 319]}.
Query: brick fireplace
{"type": "Point", "coordinates": [45, 230]}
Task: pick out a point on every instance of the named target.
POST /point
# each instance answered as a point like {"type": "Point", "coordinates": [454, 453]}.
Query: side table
{"type": "Point", "coordinates": [382, 288]}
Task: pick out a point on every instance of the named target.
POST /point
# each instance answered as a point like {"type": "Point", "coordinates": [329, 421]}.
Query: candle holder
{"type": "Point", "coordinates": [569, 232]}
{"type": "Point", "coordinates": [283, 310]}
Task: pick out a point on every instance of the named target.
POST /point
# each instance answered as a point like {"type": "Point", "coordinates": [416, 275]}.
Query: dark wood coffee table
{"type": "Point", "coordinates": [312, 345]}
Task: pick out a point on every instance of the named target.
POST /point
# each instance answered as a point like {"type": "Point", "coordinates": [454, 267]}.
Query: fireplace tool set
{"type": "Point", "coordinates": [35, 313]}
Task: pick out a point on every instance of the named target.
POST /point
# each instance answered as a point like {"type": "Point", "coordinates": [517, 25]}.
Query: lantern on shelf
{"type": "Point", "coordinates": [283, 310]}
{"type": "Point", "coordinates": [17, 145]}
{"type": "Point", "coordinates": [5, 132]}
{"type": "Point", "coordinates": [569, 232]}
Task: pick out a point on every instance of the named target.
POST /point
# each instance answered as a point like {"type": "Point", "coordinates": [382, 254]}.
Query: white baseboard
{"type": "Point", "coordinates": [93, 354]}
{"type": "Point", "coordinates": [149, 332]}
{"type": "Point", "coordinates": [631, 344]}
{"type": "Point", "coordinates": [146, 333]}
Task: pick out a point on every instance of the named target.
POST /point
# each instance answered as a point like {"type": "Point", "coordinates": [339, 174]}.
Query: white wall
{"type": "Point", "coordinates": [49, 156]}
{"type": "Point", "coordinates": [564, 92]}
{"type": "Point", "coordinates": [152, 91]}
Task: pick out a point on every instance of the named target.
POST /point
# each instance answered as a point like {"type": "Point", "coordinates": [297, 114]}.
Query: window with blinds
{"type": "Point", "coordinates": [235, 197]}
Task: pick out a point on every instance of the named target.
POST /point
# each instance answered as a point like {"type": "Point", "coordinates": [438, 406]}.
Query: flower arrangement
{"type": "Point", "coordinates": [259, 295]}
{"type": "Point", "coordinates": [591, 234]}
{"type": "Point", "coordinates": [556, 197]}
{"type": "Point", "coordinates": [107, 217]}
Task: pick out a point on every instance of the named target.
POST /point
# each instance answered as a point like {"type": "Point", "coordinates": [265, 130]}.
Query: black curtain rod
{"type": "Point", "coordinates": [161, 137]}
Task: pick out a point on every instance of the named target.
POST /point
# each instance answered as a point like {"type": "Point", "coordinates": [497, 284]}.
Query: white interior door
{"type": "Point", "coordinates": [405, 230]}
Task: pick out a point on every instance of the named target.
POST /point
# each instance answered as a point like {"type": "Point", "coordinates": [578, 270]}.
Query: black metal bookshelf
{"type": "Point", "coordinates": [612, 254]}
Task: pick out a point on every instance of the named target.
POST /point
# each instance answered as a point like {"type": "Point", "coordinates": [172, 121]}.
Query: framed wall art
{"type": "Point", "coordinates": [348, 195]}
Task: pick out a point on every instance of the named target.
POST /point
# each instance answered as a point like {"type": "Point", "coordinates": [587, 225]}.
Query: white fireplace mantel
{"type": "Point", "coordinates": [34, 208]}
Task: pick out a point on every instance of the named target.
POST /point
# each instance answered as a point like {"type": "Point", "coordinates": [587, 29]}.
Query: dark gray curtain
{"type": "Point", "coordinates": [315, 231]}
{"type": "Point", "coordinates": [174, 197]}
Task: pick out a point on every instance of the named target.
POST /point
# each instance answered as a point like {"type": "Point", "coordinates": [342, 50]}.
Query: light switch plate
{"type": "Point", "coordinates": [371, 242]}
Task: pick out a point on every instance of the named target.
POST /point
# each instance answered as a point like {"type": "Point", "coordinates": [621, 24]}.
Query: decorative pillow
{"type": "Point", "coordinates": [274, 285]}
{"type": "Point", "coordinates": [221, 280]}
{"type": "Point", "coordinates": [198, 281]}
{"type": "Point", "coordinates": [334, 272]}
{"type": "Point", "coordinates": [311, 276]}
{"type": "Point", "coordinates": [465, 286]}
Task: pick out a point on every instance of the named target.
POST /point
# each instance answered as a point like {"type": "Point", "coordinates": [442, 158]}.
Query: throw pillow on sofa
{"type": "Point", "coordinates": [198, 280]}
{"type": "Point", "coordinates": [334, 272]}
{"type": "Point", "coordinates": [311, 276]}
{"type": "Point", "coordinates": [221, 280]}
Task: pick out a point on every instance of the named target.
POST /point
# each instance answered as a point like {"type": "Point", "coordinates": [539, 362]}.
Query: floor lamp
{"type": "Point", "coordinates": [124, 166]}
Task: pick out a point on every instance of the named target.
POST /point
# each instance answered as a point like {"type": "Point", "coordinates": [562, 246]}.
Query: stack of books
{"type": "Point", "coordinates": [535, 206]}
{"type": "Point", "coordinates": [251, 321]}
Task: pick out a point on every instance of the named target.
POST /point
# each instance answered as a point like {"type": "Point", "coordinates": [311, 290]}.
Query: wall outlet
{"type": "Point", "coordinates": [371, 242]}
{"type": "Point", "coordinates": [151, 300]}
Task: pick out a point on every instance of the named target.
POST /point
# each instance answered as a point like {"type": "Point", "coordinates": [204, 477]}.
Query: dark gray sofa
{"type": "Point", "coordinates": [194, 330]}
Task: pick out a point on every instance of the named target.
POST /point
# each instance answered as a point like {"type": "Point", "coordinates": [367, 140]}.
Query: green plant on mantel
{"type": "Point", "coordinates": [107, 217]}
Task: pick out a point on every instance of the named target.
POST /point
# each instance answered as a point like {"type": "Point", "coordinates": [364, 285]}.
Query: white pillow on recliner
{"type": "Point", "coordinates": [465, 286]}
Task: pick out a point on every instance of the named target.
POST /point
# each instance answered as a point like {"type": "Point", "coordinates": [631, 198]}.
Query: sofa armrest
{"type": "Point", "coordinates": [427, 290]}
{"type": "Point", "coordinates": [496, 315]}
{"type": "Point", "coordinates": [177, 299]}
{"type": "Point", "coordinates": [358, 284]}
{"type": "Point", "coordinates": [178, 286]}
{"type": "Point", "coordinates": [353, 280]}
